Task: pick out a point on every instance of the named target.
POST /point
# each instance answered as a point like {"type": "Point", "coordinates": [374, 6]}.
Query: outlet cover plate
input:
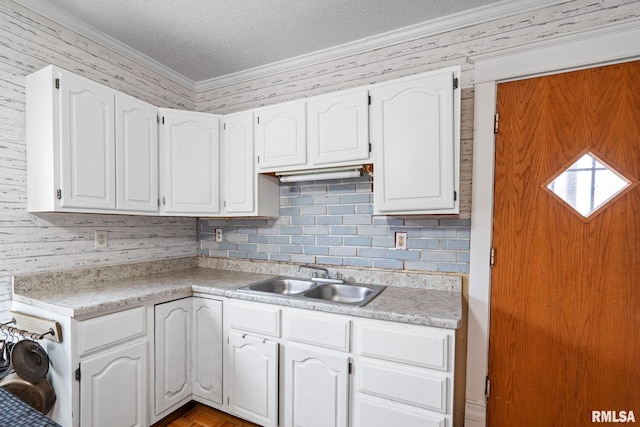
{"type": "Point", "coordinates": [401, 240]}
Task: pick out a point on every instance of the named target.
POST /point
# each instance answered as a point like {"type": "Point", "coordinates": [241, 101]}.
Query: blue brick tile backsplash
{"type": "Point", "coordinates": [331, 223]}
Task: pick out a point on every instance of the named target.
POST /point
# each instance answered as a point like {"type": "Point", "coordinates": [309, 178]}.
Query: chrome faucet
{"type": "Point", "coordinates": [313, 267]}
{"type": "Point", "coordinates": [324, 277]}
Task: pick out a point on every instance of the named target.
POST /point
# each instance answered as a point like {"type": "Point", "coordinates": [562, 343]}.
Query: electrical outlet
{"type": "Point", "coordinates": [401, 240]}
{"type": "Point", "coordinates": [102, 239]}
{"type": "Point", "coordinates": [218, 234]}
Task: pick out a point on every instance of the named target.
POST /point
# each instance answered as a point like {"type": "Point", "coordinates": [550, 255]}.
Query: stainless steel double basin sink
{"type": "Point", "coordinates": [316, 290]}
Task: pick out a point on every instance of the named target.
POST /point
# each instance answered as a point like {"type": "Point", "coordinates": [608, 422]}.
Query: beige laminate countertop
{"type": "Point", "coordinates": [73, 298]}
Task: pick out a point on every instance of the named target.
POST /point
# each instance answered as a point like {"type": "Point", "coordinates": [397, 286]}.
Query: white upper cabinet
{"type": "Point", "coordinates": [281, 136]}
{"type": "Point", "coordinates": [246, 193]}
{"type": "Point", "coordinates": [190, 159]}
{"type": "Point", "coordinates": [136, 154]}
{"type": "Point", "coordinates": [416, 140]}
{"type": "Point", "coordinates": [338, 128]}
{"type": "Point", "coordinates": [89, 148]}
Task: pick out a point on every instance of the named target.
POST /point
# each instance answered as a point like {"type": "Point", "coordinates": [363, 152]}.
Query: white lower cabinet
{"type": "Point", "coordinates": [188, 353]}
{"type": "Point", "coordinates": [172, 352]}
{"type": "Point", "coordinates": [253, 367]}
{"type": "Point", "coordinates": [316, 388]}
{"type": "Point", "coordinates": [113, 387]}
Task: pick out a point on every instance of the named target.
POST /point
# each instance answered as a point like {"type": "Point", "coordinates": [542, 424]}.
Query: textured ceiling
{"type": "Point", "coordinates": [205, 39]}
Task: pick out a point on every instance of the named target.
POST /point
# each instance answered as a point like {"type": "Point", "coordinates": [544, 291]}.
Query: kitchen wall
{"type": "Point", "coordinates": [331, 223]}
{"type": "Point", "coordinates": [33, 243]}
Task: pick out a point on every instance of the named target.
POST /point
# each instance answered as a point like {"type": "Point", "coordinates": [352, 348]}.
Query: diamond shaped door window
{"type": "Point", "coordinates": [588, 184]}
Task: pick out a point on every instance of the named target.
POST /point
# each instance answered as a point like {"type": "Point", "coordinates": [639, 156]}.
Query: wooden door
{"type": "Point", "coordinates": [113, 388]}
{"type": "Point", "coordinates": [565, 295]}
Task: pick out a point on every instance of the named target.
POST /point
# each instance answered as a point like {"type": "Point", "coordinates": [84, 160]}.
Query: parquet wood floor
{"type": "Point", "coordinates": [197, 415]}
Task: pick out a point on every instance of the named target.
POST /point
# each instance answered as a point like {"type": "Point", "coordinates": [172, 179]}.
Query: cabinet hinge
{"type": "Point", "coordinates": [78, 375]}
{"type": "Point", "coordinates": [455, 83]}
{"type": "Point", "coordinates": [496, 120]}
{"type": "Point", "coordinates": [163, 120]}
{"type": "Point", "coordinates": [492, 257]}
{"type": "Point", "coordinates": [59, 194]}
{"type": "Point", "coordinates": [370, 147]}
{"type": "Point", "coordinates": [369, 99]}
{"type": "Point", "coordinates": [258, 159]}
{"type": "Point", "coordinates": [224, 126]}
{"type": "Point", "coordinates": [350, 368]}
{"type": "Point", "coordinates": [57, 83]}
{"type": "Point", "coordinates": [158, 201]}
{"type": "Point", "coordinates": [258, 119]}
{"type": "Point", "coordinates": [164, 202]}
{"type": "Point", "coordinates": [455, 196]}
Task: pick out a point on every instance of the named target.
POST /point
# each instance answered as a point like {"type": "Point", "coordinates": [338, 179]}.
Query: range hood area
{"type": "Point", "coordinates": [325, 173]}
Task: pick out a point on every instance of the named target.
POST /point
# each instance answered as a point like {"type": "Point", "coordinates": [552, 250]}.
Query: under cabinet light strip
{"type": "Point", "coordinates": [312, 176]}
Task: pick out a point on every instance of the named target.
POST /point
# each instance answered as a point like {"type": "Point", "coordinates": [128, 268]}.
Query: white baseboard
{"type": "Point", "coordinates": [475, 414]}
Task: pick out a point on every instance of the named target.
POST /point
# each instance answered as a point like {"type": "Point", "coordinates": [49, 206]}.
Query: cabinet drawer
{"type": "Point", "coordinates": [406, 384]}
{"type": "Point", "coordinates": [110, 329]}
{"type": "Point", "coordinates": [410, 344]}
{"type": "Point", "coordinates": [325, 331]}
{"type": "Point", "coordinates": [255, 318]}
{"type": "Point", "coordinates": [379, 413]}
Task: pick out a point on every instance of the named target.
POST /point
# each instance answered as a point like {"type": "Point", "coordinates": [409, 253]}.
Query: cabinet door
{"type": "Point", "coordinates": [191, 162]}
{"type": "Point", "coordinates": [173, 342]}
{"type": "Point", "coordinates": [207, 349]}
{"type": "Point", "coordinates": [253, 379]}
{"type": "Point", "coordinates": [281, 139]}
{"type": "Point", "coordinates": [136, 154]}
{"type": "Point", "coordinates": [239, 174]}
{"type": "Point", "coordinates": [338, 128]}
{"type": "Point", "coordinates": [87, 144]}
{"type": "Point", "coordinates": [113, 388]}
{"type": "Point", "coordinates": [415, 145]}
{"type": "Point", "coordinates": [316, 388]}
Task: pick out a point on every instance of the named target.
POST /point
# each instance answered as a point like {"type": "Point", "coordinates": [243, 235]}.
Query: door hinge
{"type": "Point", "coordinates": [487, 388]}
{"type": "Point", "coordinates": [57, 83]}
{"type": "Point", "coordinates": [496, 120]}
{"type": "Point", "coordinates": [78, 375]}
{"type": "Point", "coordinates": [455, 83]}
{"type": "Point", "coordinates": [492, 257]}
{"type": "Point", "coordinates": [59, 194]}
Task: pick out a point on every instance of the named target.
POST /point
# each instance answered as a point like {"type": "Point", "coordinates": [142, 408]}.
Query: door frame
{"type": "Point", "coordinates": [586, 49]}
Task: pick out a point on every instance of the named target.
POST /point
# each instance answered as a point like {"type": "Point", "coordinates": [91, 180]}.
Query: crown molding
{"type": "Point", "coordinates": [50, 11]}
{"type": "Point", "coordinates": [448, 23]}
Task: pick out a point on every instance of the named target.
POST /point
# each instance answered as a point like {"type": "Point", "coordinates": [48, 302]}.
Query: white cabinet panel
{"type": "Point", "coordinates": [281, 139]}
{"type": "Point", "coordinates": [338, 128]}
{"type": "Point", "coordinates": [253, 374]}
{"type": "Point", "coordinates": [370, 412]}
{"type": "Point", "coordinates": [327, 331]}
{"type": "Point", "coordinates": [190, 157]}
{"type": "Point", "coordinates": [416, 144]}
{"type": "Point", "coordinates": [87, 144]}
{"type": "Point", "coordinates": [110, 329]}
{"type": "Point", "coordinates": [173, 342]}
{"type": "Point", "coordinates": [261, 318]}
{"type": "Point", "coordinates": [113, 388]}
{"type": "Point", "coordinates": [136, 154]}
{"type": "Point", "coordinates": [239, 173]}
{"type": "Point", "coordinates": [246, 193]}
{"type": "Point", "coordinates": [207, 349]}
{"type": "Point", "coordinates": [316, 388]}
